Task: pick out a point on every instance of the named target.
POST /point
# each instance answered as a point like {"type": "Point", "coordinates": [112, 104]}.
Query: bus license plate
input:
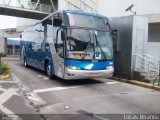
{"type": "Point", "coordinates": [92, 75]}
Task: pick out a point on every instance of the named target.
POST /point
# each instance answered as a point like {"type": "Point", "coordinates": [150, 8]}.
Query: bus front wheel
{"type": "Point", "coordinates": [25, 62]}
{"type": "Point", "coordinates": [48, 70]}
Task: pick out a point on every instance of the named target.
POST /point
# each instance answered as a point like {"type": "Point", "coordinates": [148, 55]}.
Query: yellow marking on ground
{"type": "Point", "coordinates": [134, 82]}
{"type": "Point", "coordinates": [3, 77]}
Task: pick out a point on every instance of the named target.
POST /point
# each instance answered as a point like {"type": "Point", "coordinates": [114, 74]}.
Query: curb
{"type": "Point", "coordinates": [138, 83]}
{"type": "Point", "coordinates": [2, 77]}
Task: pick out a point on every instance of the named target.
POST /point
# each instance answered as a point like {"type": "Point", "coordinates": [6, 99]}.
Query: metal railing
{"type": "Point", "coordinates": [155, 61]}
{"type": "Point", "coordinates": [147, 64]}
{"type": "Point", "coordinates": [157, 80]}
{"type": "Point", "coordinates": [27, 5]}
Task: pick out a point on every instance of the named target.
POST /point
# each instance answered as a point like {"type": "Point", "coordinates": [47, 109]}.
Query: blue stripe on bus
{"type": "Point", "coordinates": [83, 12]}
{"type": "Point", "coordinates": [89, 65]}
{"type": "Point", "coordinates": [37, 58]}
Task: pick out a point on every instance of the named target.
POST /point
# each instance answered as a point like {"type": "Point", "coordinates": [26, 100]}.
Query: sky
{"type": "Point", "coordinates": [7, 22]}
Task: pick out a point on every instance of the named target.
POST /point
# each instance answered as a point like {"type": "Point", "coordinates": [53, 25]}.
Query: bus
{"type": "Point", "coordinates": [69, 44]}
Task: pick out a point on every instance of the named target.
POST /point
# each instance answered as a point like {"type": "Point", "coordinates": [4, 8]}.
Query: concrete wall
{"type": "Point", "coordinates": [148, 8]}
{"type": "Point", "coordinates": [116, 8]}
{"type": "Point", "coordinates": [154, 18]}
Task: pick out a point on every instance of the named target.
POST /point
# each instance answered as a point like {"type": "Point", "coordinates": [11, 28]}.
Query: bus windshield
{"type": "Point", "coordinates": [87, 21]}
{"type": "Point", "coordinates": [88, 44]}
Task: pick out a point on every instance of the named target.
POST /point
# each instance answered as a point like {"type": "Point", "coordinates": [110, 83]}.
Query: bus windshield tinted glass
{"type": "Point", "coordinates": [87, 21]}
{"type": "Point", "coordinates": [88, 44]}
{"type": "Point", "coordinates": [79, 44]}
{"type": "Point", "coordinates": [103, 45]}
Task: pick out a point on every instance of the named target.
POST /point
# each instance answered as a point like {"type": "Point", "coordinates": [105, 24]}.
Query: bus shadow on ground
{"type": "Point", "coordinates": [78, 82]}
{"type": "Point", "coordinates": [64, 82]}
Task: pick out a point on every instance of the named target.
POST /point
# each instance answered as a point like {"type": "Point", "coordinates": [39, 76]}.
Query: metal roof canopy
{"type": "Point", "coordinates": [13, 41]}
{"type": "Point", "coordinates": [22, 13]}
{"type": "Point", "coordinates": [33, 11]}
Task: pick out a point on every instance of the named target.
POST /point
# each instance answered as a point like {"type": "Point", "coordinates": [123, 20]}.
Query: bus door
{"type": "Point", "coordinates": [59, 56]}
{"type": "Point", "coordinates": [57, 49]}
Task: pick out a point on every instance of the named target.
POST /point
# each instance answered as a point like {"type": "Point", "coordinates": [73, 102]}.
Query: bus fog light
{"type": "Point", "coordinates": [73, 68]}
{"type": "Point", "coordinates": [109, 68]}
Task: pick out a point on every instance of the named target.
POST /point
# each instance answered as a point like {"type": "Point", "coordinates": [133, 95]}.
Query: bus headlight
{"type": "Point", "coordinates": [74, 68]}
{"type": "Point", "coordinates": [109, 68]}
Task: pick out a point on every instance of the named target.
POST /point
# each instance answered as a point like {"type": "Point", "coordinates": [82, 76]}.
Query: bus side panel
{"type": "Point", "coordinates": [22, 51]}
{"type": "Point", "coordinates": [35, 55]}
{"type": "Point", "coordinates": [38, 46]}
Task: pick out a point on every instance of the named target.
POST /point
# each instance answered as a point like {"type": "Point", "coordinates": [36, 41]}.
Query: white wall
{"type": "Point", "coordinates": [23, 23]}
{"type": "Point", "coordinates": [116, 8]}
{"type": "Point", "coordinates": [87, 5]}
{"type": "Point", "coordinates": [153, 49]}
{"type": "Point", "coordinates": [7, 22]}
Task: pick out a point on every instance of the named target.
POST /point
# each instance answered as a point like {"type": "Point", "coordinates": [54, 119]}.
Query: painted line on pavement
{"type": "Point", "coordinates": [7, 95]}
{"type": "Point", "coordinates": [3, 98]}
{"type": "Point", "coordinates": [38, 101]}
{"type": "Point", "coordinates": [9, 115]}
{"type": "Point", "coordinates": [6, 82]}
{"type": "Point", "coordinates": [65, 88]}
{"type": "Point", "coordinates": [112, 82]}
{"type": "Point", "coordinates": [2, 89]}
{"type": "Point", "coordinates": [54, 89]}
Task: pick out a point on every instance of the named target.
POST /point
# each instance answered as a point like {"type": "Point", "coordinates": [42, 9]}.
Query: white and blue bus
{"type": "Point", "coordinates": [70, 44]}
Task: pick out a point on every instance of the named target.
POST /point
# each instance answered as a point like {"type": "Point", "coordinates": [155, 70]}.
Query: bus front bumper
{"type": "Point", "coordinates": [83, 74]}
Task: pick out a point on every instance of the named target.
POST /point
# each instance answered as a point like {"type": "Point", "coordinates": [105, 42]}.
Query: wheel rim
{"type": "Point", "coordinates": [48, 70]}
{"type": "Point", "coordinates": [25, 64]}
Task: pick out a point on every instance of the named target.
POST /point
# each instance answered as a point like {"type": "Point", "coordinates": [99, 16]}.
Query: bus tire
{"type": "Point", "coordinates": [48, 70]}
{"type": "Point", "coordinates": [25, 62]}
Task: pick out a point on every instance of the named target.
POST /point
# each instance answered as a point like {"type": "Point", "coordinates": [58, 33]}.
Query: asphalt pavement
{"type": "Point", "coordinates": [29, 91]}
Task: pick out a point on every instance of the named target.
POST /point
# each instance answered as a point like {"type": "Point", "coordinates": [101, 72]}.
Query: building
{"type": "Point", "coordinates": [86, 5]}
{"type": "Point", "coordinates": [23, 23]}
{"type": "Point", "coordinates": [8, 41]}
{"type": "Point", "coordinates": [137, 27]}
{"type": "Point", "coordinates": [147, 8]}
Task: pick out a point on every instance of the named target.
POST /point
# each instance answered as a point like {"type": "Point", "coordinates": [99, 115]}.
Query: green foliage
{"type": "Point", "coordinates": [2, 55]}
{"type": "Point", "coordinates": [4, 68]}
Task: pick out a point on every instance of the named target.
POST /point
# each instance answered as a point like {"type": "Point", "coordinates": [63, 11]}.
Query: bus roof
{"type": "Point", "coordinates": [71, 11]}
{"type": "Point", "coordinates": [74, 12]}
{"type": "Point", "coordinates": [84, 12]}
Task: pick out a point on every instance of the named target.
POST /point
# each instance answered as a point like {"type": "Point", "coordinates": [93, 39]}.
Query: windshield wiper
{"type": "Point", "coordinates": [100, 47]}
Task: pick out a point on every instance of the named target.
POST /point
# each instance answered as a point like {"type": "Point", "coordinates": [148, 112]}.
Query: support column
{"type": "Point", "coordinates": [1, 41]}
{"type": "Point", "coordinates": [5, 46]}
{"type": "Point", "coordinates": [13, 49]}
